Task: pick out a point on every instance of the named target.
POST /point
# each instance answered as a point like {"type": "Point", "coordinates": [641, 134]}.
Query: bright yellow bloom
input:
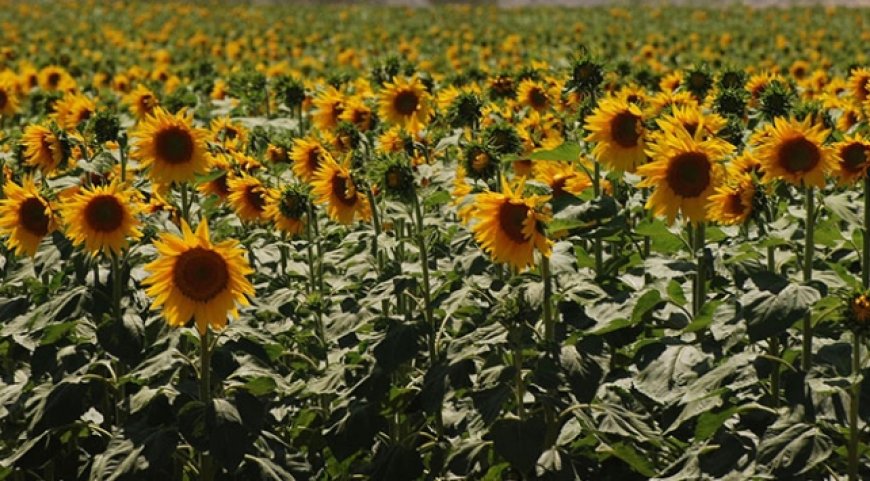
{"type": "Point", "coordinates": [25, 217]}
{"type": "Point", "coordinates": [795, 152]}
{"type": "Point", "coordinates": [334, 186]}
{"type": "Point", "coordinates": [174, 150]}
{"type": "Point", "coordinates": [102, 218]}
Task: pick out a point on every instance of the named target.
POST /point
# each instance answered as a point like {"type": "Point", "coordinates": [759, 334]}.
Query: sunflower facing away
{"type": "Point", "coordinates": [288, 209]}
{"type": "Point", "coordinates": [102, 218]}
{"type": "Point", "coordinates": [617, 128]}
{"type": "Point", "coordinates": [192, 278]}
{"type": "Point", "coordinates": [334, 186]}
{"type": "Point", "coordinates": [405, 102]}
{"type": "Point", "coordinates": [25, 217]}
{"type": "Point", "coordinates": [174, 150]}
{"type": "Point", "coordinates": [509, 226]}
{"type": "Point", "coordinates": [795, 152]}
{"type": "Point", "coordinates": [684, 172]}
{"type": "Point", "coordinates": [42, 148]}
{"type": "Point", "coordinates": [248, 198]}
{"type": "Point", "coordinates": [731, 204]}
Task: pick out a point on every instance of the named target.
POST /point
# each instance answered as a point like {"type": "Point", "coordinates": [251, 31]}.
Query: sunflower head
{"type": "Point", "coordinates": [586, 75]}
{"type": "Point", "coordinates": [25, 217]}
{"type": "Point", "coordinates": [479, 161]}
{"type": "Point", "coordinates": [405, 102]}
{"type": "Point", "coordinates": [248, 197]}
{"type": "Point", "coordinates": [734, 202]}
{"type": "Point", "coordinates": [195, 279]}
{"type": "Point", "coordinates": [616, 127]}
{"type": "Point", "coordinates": [45, 147]}
{"type": "Point", "coordinates": [103, 218]}
{"type": "Point", "coordinates": [465, 110]}
{"type": "Point", "coordinates": [288, 208]}
{"type": "Point", "coordinates": [335, 187]}
{"type": "Point", "coordinates": [502, 138]}
{"type": "Point", "coordinates": [855, 311]}
{"type": "Point", "coordinates": [795, 151]}
{"type": "Point", "coordinates": [307, 155]}
{"type": "Point", "coordinates": [510, 227]}
{"type": "Point", "coordinates": [396, 178]}
{"type": "Point", "coordinates": [777, 100]}
{"type": "Point", "coordinates": [853, 159]}
{"type": "Point", "coordinates": [698, 81]}
{"type": "Point", "coordinates": [171, 147]}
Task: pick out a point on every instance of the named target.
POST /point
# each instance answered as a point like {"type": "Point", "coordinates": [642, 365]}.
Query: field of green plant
{"type": "Point", "coordinates": [282, 242]}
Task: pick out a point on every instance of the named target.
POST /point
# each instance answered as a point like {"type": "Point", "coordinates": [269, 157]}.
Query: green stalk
{"type": "Point", "coordinates": [206, 472]}
{"type": "Point", "coordinates": [121, 400]}
{"type": "Point", "coordinates": [809, 249]}
{"type": "Point", "coordinates": [122, 144]}
{"type": "Point", "coordinates": [699, 243]}
{"type": "Point", "coordinates": [853, 407]}
{"type": "Point", "coordinates": [518, 380]}
{"type": "Point", "coordinates": [312, 276]}
{"type": "Point", "coordinates": [865, 261]}
{"type": "Point", "coordinates": [185, 203]}
{"type": "Point", "coordinates": [551, 347]}
{"type": "Point", "coordinates": [774, 340]}
{"type": "Point", "coordinates": [377, 226]}
{"type": "Point", "coordinates": [316, 276]}
{"type": "Point", "coordinates": [427, 301]}
{"type": "Point", "coordinates": [596, 188]}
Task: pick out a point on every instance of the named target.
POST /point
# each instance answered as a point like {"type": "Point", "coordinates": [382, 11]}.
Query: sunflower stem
{"type": "Point", "coordinates": [121, 393]}
{"type": "Point", "coordinates": [518, 380]}
{"type": "Point", "coordinates": [596, 189]}
{"type": "Point", "coordinates": [809, 249]}
{"type": "Point", "coordinates": [205, 466]}
{"type": "Point", "coordinates": [855, 391]}
{"type": "Point", "coordinates": [376, 224]}
{"type": "Point", "coordinates": [699, 240]}
{"type": "Point", "coordinates": [551, 348]}
{"type": "Point", "coordinates": [774, 340]}
{"type": "Point", "coordinates": [427, 302]}
{"type": "Point", "coordinates": [185, 203]}
{"type": "Point", "coordinates": [122, 152]}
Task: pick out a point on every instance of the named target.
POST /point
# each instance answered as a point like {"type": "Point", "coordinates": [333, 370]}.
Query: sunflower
{"type": "Point", "coordinates": [248, 198]}
{"type": "Point", "coordinates": [307, 155]}
{"type": "Point", "coordinates": [175, 151]}
{"type": "Point", "coordinates": [745, 163]}
{"type": "Point", "coordinates": [25, 217]}
{"type": "Point", "coordinates": [853, 159]}
{"type": "Point", "coordinates": [8, 98]}
{"type": "Point", "coordinates": [758, 83]}
{"type": "Point", "coordinates": [795, 151]}
{"type": "Point", "coordinates": [536, 95]}
{"type": "Point", "coordinates": [329, 105]}
{"type": "Point", "coordinates": [334, 186]}
{"type": "Point", "coordinates": [218, 180]}
{"type": "Point", "coordinates": [617, 128]}
{"type": "Point", "coordinates": [358, 113]}
{"type": "Point", "coordinates": [691, 119]}
{"type": "Point", "coordinates": [850, 116]}
{"type": "Point", "coordinates": [72, 110]}
{"type": "Point", "coordinates": [141, 102]}
{"type": "Point", "coordinates": [288, 209]}
{"type": "Point", "coordinates": [228, 133]}
{"type": "Point", "coordinates": [731, 204]}
{"type": "Point", "coordinates": [562, 177]}
{"type": "Point", "coordinates": [277, 154]}
{"type": "Point", "coordinates": [509, 226]}
{"type": "Point", "coordinates": [405, 102]}
{"type": "Point", "coordinates": [859, 83]}
{"type": "Point", "coordinates": [195, 278]}
{"type": "Point", "coordinates": [102, 218]}
{"type": "Point", "coordinates": [43, 148]}
{"type": "Point", "coordinates": [54, 79]}
{"type": "Point", "coordinates": [684, 172]}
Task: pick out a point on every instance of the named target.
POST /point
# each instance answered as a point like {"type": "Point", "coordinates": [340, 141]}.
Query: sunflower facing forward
{"type": "Point", "coordinates": [25, 217]}
{"type": "Point", "coordinates": [405, 102]}
{"type": "Point", "coordinates": [509, 226]}
{"type": "Point", "coordinates": [195, 279]}
{"type": "Point", "coordinates": [102, 218]}
{"type": "Point", "coordinates": [684, 172]}
{"type": "Point", "coordinates": [617, 128]}
{"type": "Point", "coordinates": [335, 187]}
{"type": "Point", "coordinates": [853, 159]}
{"type": "Point", "coordinates": [795, 152]}
{"type": "Point", "coordinates": [169, 144]}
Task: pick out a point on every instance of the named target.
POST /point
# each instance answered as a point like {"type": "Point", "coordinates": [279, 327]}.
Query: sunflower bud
{"type": "Point", "coordinates": [105, 126]}
{"type": "Point", "coordinates": [731, 101]}
{"type": "Point", "coordinates": [698, 81]}
{"type": "Point", "coordinates": [398, 179]}
{"type": "Point", "coordinates": [502, 138]}
{"type": "Point", "coordinates": [465, 110]}
{"type": "Point", "coordinates": [480, 162]}
{"type": "Point", "coordinates": [290, 91]}
{"type": "Point", "coordinates": [776, 100]}
{"type": "Point", "coordinates": [586, 75]}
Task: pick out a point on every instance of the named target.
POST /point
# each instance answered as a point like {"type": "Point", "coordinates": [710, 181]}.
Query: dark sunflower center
{"type": "Point", "coordinates": [53, 79]}
{"type": "Point", "coordinates": [174, 145]}
{"type": "Point", "coordinates": [104, 213]}
{"type": "Point", "coordinates": [799, 155]}
{"type": "Point", "coordinates": [221, 186]}
{"type": "Point", "coordinates": [255, 199]}
{"type": "Point", "coordinates": [406, 102]}
{"type": "Point", "coordinates": [511, 218]}
{"type": "Point", "coordinates": [394, 179]}
{"type": "Point", "coordinates": [854, 157]}
{"type": "Point", "coordinates": [558, 186]}
{"type": "Point", "coordinates": [314, 159]}
{"type": "Point", "coordinates": [31, 215]}
{"type": "Point", "coordinates": [84, 114]}
{"type": "Point", "coordinates": [689, 174]}
{"type": "Point", "coordinates": [734, 205]}
{"type": "Point", "coordinates": [625, 129]}
{"type": "Point", "coordinates": [3, 99]}
{"type": "Point", "coordinates": [200, 274]}
{"type": "Point", "coordinates": [691, 128]}
{"type": "Point", "coordinates": [340, 190]}
{"type": "Point", "coordinates": [230, 133]}
{"type": "Point", "coordinates": [537, 99]}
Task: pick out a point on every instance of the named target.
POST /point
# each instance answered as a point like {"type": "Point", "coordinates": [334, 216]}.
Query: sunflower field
{"type": "Point", "coordinates": [285, 242]}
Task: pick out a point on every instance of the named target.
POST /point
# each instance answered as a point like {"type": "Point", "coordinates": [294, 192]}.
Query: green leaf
{"type": "Point", "coordinates": [661, 239]}
{"type": "Point", "coordinates": [638, 462]}
{"type": "Point", "coordinates": [520, 443]}
{"type": "Point", "coordinates": [566, 151]}
{"type": "Point", "coordinates": [676, 293]}
{"type": "Point", "coordinates": [645, 304]}
{"type": "Point", "coordinates": [769, 314]}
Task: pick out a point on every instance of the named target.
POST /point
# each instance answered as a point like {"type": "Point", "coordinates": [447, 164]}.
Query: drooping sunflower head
{"type": "Point", "coordinates": [174, 150]}
{"type": "Point", "coordinates": [25, 217]}
{"type": "Point", "coordinates": [853, 159]}
{"type": "Point", "coordinates": [193, 278]}
{"type": "Point", "coordinates": [684, 173]}
{"type": "Point", "coordinates": [289, 208]}
{"type": "Point", "coordinates": [248, 197]}
{"type": "Point", "coordinates": [509, 226]}
{"type": "Point", "coordinates": [335, 187]}
{"type": "Point", "coordinates": [616, 127]}
{"type": "Point", "coordinates": [43, 148]}
{"type": "Point", "coordinates": [855, 311]}
{"type": "Point", "coordinates": [73, 109]}
{"type": "Point", "coordinates": [479, 162]}
{"type": "Point", "coordinates": [795, 151]}
{"type": "Point", "coordinates": [405, 102]}
{"type": "Point", "coordinates": [103, 218]}
{"type": "Point", "coordinates": [733, 202]}
{"type": "Point", "coordinates": [141, 101]}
